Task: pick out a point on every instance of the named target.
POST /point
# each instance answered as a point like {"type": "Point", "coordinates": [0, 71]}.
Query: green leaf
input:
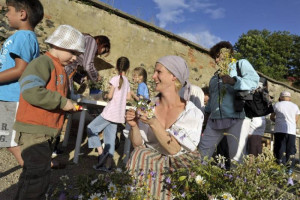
{"type": "Point", "coordinates": [181, 178]}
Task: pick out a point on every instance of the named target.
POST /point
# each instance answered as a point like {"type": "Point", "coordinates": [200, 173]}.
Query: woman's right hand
{"type": "Point", "coordinates": [131, 118]}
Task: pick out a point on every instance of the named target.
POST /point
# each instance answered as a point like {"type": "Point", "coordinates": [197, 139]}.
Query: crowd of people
{"type": "Point", "coordinates": [185, 123]}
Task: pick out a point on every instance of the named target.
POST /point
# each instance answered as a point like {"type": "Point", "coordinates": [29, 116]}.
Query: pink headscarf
{"type": "Point", "coordinates": [178, 67]}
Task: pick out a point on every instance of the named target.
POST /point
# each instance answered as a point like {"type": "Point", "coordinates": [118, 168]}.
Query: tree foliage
{"type": "Point", "coordinates": [275, 54]}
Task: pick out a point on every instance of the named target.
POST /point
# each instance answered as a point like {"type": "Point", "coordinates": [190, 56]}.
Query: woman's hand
{"type": "Point", "coordinates": [141, 115]}
{"type": "Point", "coordinates": [131, 117]}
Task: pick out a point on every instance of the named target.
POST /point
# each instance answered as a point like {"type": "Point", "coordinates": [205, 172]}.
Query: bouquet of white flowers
{"type": "Point", "coordinates": [147, 106]}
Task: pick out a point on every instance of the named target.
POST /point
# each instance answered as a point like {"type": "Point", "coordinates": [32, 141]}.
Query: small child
{"type": "Point", "coordinates": [140, 77]}
{"type": "Point", "coordinates": [40, 114]}
{"type": "Point", "coordinates": [112, 115]}
{"type": "Point", "coordinates": [17, 51]}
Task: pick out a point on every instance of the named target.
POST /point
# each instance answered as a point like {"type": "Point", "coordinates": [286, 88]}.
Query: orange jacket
{"type": "Point", "coordinates": [42, 92]}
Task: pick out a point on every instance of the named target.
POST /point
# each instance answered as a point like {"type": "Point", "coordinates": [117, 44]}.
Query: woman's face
{"type": "Point", "coordinates": [102, 51]}
{"type": "Point", "coordinates": [163, 79]}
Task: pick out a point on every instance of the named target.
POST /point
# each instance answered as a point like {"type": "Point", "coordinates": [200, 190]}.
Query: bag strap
{"type": "Point", "coordinates": [238, 69]}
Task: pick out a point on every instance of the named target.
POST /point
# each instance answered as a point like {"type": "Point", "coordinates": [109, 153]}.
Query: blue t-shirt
{"type": "Point", "coordinates": [143, 90]}
{"type": "Point", "coordinates": [23, 44]}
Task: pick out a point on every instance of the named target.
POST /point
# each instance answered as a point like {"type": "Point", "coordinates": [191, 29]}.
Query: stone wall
{"type": "Point", "coordinates": [142, 42]}
{"type": "Point", "coordinates": [143, 45]}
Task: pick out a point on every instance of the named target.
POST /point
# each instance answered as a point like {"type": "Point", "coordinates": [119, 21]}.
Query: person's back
{"type": "Point", "coordinates": [112, 114]}
{"type": "Point", "coordinates": [115, 109]}
{"type": "Point", "coordinates": [17, 51]}
{"type": "Point", "coordinates": [285, 117]}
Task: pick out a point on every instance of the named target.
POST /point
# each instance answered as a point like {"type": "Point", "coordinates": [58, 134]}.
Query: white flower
{"type": "Point", "coordinates": [95, 196]}
{"type": "Point", "coordinates": [129, 188]}
{"type": "Point", "coordinates": [80, 197]}
{"type": "Point", "coordinates": [112, 188]}
{"type": "Point", "coordinates": [94, 181]}
{"type": "Point", "coordinates": [64, 178]}
{"type": "Point", "coordinates": [227, 196]}
{"type": "Point", "coordinates": [118, 170]}
{"type": "Point", "coordinates": [199, 180]}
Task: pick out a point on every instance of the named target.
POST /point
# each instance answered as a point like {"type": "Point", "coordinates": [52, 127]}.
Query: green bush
{"type": "Point", "coordinates": [256, 178]}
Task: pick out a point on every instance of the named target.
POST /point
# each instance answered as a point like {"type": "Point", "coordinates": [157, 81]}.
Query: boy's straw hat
{"type": "Point", "coordinates": [67, 37]}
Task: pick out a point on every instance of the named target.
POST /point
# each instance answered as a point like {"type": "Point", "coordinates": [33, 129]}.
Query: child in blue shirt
{"type": "Point", "coordinates": [140, 77]}
{"type": "Point", "coordinates": [17, 51]}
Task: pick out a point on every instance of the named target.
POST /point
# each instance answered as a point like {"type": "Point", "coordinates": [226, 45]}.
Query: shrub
{"type": "Point", "coordinates": [116, 185]}
{"type": "Point", "coordinates": [256, 178]}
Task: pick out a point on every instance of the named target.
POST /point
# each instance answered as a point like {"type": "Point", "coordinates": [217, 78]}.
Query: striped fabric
{"type": "Point", "coordinates": [86, 60]}
{"type": "Point", "coordinates": [149, 165]}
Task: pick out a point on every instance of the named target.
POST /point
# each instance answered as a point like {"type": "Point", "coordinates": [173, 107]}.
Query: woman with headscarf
{"type": "Point", "coordinates": [169, 139]}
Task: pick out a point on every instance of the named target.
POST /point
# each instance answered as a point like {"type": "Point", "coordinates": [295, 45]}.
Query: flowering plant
{"type": "Point", "coordinates": [116, 185]}
{"type": "Point", "coordinates": [257, 178]}
{"type": "Point", "coordinates": [146, 106]}
{"type": "Point", "coordinates": [225, 58]}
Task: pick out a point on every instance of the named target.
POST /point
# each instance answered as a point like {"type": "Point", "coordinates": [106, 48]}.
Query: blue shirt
{"type": "Point", "coordinates": [23, 44]}
{"type": "Point", "coordinates": [143, 90]}
{"type": "Point", "coordinates": [223, 107]}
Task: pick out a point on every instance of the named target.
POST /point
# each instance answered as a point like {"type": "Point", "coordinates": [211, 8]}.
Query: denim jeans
{"type": "Point", "coordinates": [109, 134]}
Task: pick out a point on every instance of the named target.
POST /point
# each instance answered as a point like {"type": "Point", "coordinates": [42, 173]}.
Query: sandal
{"type": "Point", "coordinates": [108, 164]}
{"type": "Point", "coordinates": [101, 160]}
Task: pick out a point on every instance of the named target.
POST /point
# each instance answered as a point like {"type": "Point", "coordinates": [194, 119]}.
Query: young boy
{"type": "Point", "coordinates": [41, 109]}
{"type": "Point", "coordinates": [17, 51]}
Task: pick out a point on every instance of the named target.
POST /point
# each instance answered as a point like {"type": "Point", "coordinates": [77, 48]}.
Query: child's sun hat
{"type": "Point", "coordinates": [67, 37]}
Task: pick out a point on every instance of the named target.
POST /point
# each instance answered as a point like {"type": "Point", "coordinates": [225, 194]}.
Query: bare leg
{"type": "Point", "coordinates": [100, 150]}
{"type": "Point", "coordinates": [16, 151]}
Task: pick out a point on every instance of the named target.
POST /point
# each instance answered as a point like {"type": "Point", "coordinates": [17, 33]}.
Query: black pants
{"type": "Point", "coordinates": [223, 150]}
{"type": "Point", "coordinates": [284, 143]}
{"type": "Point", "coordinates": [254, 145]}
{"type": "Point", "coordinates": [35, 177]}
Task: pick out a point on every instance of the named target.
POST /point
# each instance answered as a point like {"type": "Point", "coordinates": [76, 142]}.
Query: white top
{"type": "Point", "coordinates": [285, 120]}
{"type": "Point", "coordinates": [186, 130]}
{"type": "Point", "coordinates": [257, 126]}
{"type": "Point", "coordinates": [196, 96]}
{"type": "Point", "coordinates": [116, 107]}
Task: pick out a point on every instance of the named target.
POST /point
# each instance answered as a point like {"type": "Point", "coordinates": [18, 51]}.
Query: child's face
{"type": "Point", "coordinates": [137, 78]}
{"type": "Point", "coordinates": [14, 17]}
{"type": "Point", "coordinates": [66, 57]}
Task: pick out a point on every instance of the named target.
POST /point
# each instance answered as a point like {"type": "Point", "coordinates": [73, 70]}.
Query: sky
{"type": "Point", "coordinates": [207, 22]}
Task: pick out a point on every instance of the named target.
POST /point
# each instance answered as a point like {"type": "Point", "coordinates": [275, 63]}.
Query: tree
{"type": "Point", "coordinates": [276, 54]}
